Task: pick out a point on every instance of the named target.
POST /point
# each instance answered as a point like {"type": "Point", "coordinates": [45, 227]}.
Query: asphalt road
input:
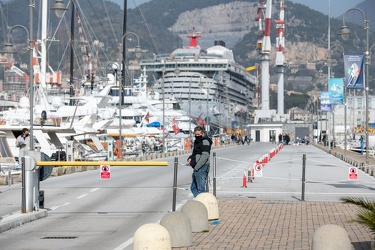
{"type": "Point", "coordinates": [88, 213]}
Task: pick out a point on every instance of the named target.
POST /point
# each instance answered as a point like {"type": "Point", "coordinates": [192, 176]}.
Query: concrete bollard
{"type": "Point", "coordinates": [179, 227]}
{"type": "Point", "coordinates": [211, 204]}
{"type": "Point", "coordinates": [152, 236]}
{"type": "Point", "coordinates": [198, 215]}
{"type": "Point", "coordinates": [330, 237]}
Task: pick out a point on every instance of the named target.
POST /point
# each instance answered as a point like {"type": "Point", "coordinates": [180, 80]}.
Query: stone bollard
{"type": "Point", "coordinates": [211, 204]}
{"type": "Point", "coordinates": [179, 227]}
{"type": "Point", "coordinates": [330, 237]}
{"type": "Point", "coordinates": [198, 215]}
{"type": "Point", "coordinates": [151, 236]}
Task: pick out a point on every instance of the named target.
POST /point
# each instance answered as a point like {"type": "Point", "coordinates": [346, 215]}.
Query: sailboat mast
{"type": "Point", "coordinates": [71, 86]}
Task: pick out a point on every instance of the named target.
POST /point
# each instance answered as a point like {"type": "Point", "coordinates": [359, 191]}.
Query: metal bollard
{"type": "Point", "coordinates": [41, 198]}
{"type": "Point", "coordinates": [9, 178]}
{"type": "Point", "coordinates": [175, 184]}
{"type": "Point", "coordinates": [303, 177]}
{"type": "Point", "coordinates": [214, 176]}
{"type": "Point", "coordinates": [28, 184]}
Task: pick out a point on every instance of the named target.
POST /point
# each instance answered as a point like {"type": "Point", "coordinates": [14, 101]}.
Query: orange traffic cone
{"type": "Point", "coordinates": [244, 181]}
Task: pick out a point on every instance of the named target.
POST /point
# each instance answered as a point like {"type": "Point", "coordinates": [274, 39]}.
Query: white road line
{"type": "Point", "coordinates": [56, 207]}
{"type": "Point", "coordinates": [124, 245]}
{"type": "Point", "coordinates": [130, 241]}
{"type": "Point", "coordinates": [94, 189]}
{"type": "Point", "coordinates": [81, 196]}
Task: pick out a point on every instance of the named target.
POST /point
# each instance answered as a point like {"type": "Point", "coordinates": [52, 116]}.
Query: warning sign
{"type": "Point", "coordinates": [258, 170]}
{"type": "Point", "coordinates": [353, 173]}
{"type": "Point", "coordinates": [105, 172]}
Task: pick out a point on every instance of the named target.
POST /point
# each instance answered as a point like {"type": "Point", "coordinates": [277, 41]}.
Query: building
{"type": "Point", "coordinates": [15, 84]}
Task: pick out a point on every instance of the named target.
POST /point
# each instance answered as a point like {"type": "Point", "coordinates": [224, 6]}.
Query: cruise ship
{"type": "Point", "coordinates": [208, 84]}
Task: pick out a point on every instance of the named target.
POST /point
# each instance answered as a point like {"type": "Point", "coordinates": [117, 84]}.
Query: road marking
{"type": "Point", "coordinates": [94, 189]}
{"type": "Point", "coordinates": [130, 241]}
{"type": "Point", "coordinates": [56, 207]}
{"type": "Point", "coordinates": [81, 196]}
{"type": "Point", "coordinates": [124, 245]}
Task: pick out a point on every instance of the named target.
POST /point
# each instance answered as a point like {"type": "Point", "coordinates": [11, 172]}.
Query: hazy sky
{"type": "Point", "coordinates": [338, 7]}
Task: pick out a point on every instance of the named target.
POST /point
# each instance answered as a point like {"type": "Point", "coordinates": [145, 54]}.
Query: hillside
{"type": "Point", "coordinates": [165, 24]}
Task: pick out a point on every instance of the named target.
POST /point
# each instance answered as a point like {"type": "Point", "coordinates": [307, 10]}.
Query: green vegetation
{"type": "Point", "coordinates": [366, 212]}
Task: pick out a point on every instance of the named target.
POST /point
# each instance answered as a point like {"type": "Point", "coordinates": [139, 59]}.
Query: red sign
{"type": "Point", "coordinates": [353, 175]}
{"type": "Point", "coordinates": [105, 172]}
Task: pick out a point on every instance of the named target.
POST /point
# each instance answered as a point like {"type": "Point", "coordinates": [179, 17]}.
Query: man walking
{"type": "Point", "coordinates": [23, 142]}
{"type": "Point", "coordinates": [200, 161]}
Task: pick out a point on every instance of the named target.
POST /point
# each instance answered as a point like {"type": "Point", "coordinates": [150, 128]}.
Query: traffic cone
{"type": "Point", "coordinates": [244, 181]}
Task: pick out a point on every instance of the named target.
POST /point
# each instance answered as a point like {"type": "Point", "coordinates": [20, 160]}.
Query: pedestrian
{"type": "Point", "coordinates": [199, 160]}
{"type": "Point", "coordinates": [23, 142]}
{"type": "Point", "coordinates": [280, 138]}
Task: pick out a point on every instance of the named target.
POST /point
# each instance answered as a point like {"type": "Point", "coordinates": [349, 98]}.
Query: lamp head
{"type": "Point", "coordinates": [138, 51]}
{"type": "Point", "coordinates": [344, 33]}
{"type": "Point", "coordinates": [59, 8]}
{"type": "Point", "coordinates": [8, 49]}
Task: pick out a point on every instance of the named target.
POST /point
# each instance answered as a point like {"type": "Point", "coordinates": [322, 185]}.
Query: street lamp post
{"type": "Point", "coordinates": [59, 8]}
{"type": "Point", "coordinates": [30, 188]}
{"type": "Point", "coordinates": [190, 102]}
{"type": "Point", "coordinates": [207, 93]}
{"type": "Point", "coordinates": [8, 49]}
{"type": "Point", "coordinates": [332, 62]}
{"type": "Point", "coordinates": [137, 50]}
{"type": "Point", "coordinates": [163, 94]}
{"type": "Point", "coordinates": [345, 32]}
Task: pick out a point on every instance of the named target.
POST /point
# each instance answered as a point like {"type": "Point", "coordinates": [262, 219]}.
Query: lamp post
{"type": "Point", "coordinates": [8, 49]}
{"type": "Point", "coordinates": [190, 101]}
{"type": "Point", "coordinates": [163, 94]}
{"type": "Point", "coordinates": [59, 8]}
{"type": "Point", "coordinates": [345, 105]}
{"type": "Point", "coordinates": [138, 52]}
{"type": "Point", "coordinates": [345, 32]}
{"type": "Point", "coordinates": [207, 118]}
{"type": "Point", "coordinates": [29, 187]}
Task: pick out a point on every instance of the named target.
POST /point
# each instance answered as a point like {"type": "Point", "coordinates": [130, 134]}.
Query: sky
{"type": "Point", "coordinates": [337, 7]}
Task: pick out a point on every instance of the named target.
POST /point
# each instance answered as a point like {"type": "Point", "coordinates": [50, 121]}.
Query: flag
{"type": "Point", "coordinates": [354, 74]}
{"type": "Point", "coordinates": [175, 127]}
{"type": "Point", "coordinates": [147, 117]}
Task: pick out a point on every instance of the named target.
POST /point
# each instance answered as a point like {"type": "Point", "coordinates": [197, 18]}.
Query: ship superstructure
{"type": "Point", "coordinates": [207, 83]}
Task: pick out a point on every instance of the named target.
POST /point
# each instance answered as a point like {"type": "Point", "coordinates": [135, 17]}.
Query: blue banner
{"type": "Point", "coordinates": [325, 105]}
{"type": "Point", "coordinates": [354, 71]}
{"type": "Point", "coordinates": [336, 91]}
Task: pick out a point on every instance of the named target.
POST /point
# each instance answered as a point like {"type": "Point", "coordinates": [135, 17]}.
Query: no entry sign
{"type": "Point", "coordinates": [105, 172]}
{"type": "Point", "coordinates": [353, 173]}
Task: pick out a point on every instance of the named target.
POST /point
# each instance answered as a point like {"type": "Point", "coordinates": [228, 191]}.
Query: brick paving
{"type": "Point", "coordinates": [250, 224]}
{"type": "Point", "coordinates": [256, 224]}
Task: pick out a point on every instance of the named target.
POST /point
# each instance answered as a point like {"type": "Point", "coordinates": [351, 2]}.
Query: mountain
{"type": "Point", "coordinates": [338, 7]}
{"type": "Point", "coordinates": [162, 25]}
{"type": "Point", "coordinates": [335, 7]}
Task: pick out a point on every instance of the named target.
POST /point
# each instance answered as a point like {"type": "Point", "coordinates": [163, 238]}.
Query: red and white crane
{"type": "Point", "coordinates": [265, 51]}
{"type": "Point", "coordinates": [280, 58]}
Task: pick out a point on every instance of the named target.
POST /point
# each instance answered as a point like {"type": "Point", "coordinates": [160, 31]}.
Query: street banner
{"type": "Point", "coordinates": [336, 90]}
{"type": "Point", "coordinates": [325, 105]}
{"type": "Point", "coordinates": [354, 70]}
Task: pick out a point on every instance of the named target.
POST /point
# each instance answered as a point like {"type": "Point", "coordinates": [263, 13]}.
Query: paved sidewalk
{"type": "Point", "coordinates": [246, 224]}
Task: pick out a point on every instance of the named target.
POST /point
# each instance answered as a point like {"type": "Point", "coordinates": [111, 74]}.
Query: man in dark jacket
{"type": "Point", "coordinates": [200, 161]}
